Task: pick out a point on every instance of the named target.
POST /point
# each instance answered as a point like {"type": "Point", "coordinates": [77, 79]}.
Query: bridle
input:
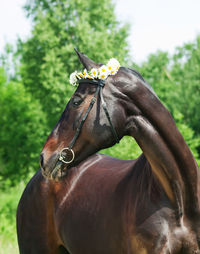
{"type": "Point", "coordinates": [99, 91]}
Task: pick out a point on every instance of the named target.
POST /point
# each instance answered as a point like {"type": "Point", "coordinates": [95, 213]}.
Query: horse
{"type": "Point", "coordinates": [83, 202]}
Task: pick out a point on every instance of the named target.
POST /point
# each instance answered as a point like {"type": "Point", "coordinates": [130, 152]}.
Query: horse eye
{"type": "Point", "coordinates": [77, 101]}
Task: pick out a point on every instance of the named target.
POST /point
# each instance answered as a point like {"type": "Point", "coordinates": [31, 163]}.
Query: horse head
{"type": "Point", "coordinates": [100, 129]}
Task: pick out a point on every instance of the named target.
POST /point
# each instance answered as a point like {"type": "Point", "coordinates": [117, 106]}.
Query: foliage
{"type": "Point", "coordinates": [186, 72]}
{"type": "Point", "coordinates": [156, 70]}
{"type": "Point", "coordinates": [9, 62]}
{"type": "Point", "coordinates": [188, 133]}
{"type": "Point", "coordinates": [176, 80]}
{"type": "Point", "coordinates": [127, 149]}
{"type": "Point", "coordinates": [48, 57]}
{"type": "Point", "coordinates": [22, 131]}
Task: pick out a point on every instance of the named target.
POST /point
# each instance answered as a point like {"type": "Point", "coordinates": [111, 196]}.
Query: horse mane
{"type": "Point", "coordinates": [139, 76]}
{"type": "Point", "coordinates": [145, 182]}
{"type": "Point", "coordinates": [136, 73]}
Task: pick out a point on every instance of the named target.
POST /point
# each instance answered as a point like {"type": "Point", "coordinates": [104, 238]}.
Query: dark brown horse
{"type": "Point", "coordinates": [102, 205]}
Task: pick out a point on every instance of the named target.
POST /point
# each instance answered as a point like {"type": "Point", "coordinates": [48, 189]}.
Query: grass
{"type": "Point", "coordinates": [8, 205]}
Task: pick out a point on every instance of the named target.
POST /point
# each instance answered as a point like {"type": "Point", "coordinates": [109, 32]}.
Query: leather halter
{"type": "Point", "coordinates": [99, 90]}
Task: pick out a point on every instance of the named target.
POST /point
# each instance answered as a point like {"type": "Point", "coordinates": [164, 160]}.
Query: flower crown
{"type": "Point", "coordinates": [111, 68]}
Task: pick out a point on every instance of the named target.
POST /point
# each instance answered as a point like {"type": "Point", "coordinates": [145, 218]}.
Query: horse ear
{"type": "Point", "coordinates": [86, 61]}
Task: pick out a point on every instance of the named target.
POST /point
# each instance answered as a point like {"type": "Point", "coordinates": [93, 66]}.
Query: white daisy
{"type": "Point", "coordinates": [85, 73]}
{"type": "Point", "coordinates": [113, 71]}
{"type": "Point", "coordinates": [103, 75]}
{"type": "Point", "coordinates": [113, 62]}
{"type": "Point", "coordinates": [73, 78]}
{"type": "Point", "coordinates": [89, 76]}
{"type": "Point", "coordinates": [113, 66]}
{"type": "Point", "coordinates": [103, 69]}
{"type": "Point", "coordinates": [80, 75]}
{"type": "Point", "coordinates": [103, 72]}
{"type": "Point", "coordinates": [94, 73]}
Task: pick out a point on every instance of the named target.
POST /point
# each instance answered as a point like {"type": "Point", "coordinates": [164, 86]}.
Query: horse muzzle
{"type": "Point", "coordinates": [55, 167]}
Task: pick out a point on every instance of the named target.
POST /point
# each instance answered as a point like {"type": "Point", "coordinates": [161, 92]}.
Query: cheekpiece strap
{"type": "Point", "coordinates": [100, 84]}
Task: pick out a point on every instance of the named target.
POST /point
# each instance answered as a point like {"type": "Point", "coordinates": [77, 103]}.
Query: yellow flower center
{"type": "Point", "coordinates": [112, 72]}
{"type": "Point", "coordinates": [102, 76]}
{"type": "Point", "coordinates": [117, 67]}
{"type": "Point", "coordinates": [109, 67]}
{"type": "Point", "coordinates": [94, 72]}
{"type": "Point", "coordinates": [103, 70]}
{"type": "Point", "coordinates": [81, 75]}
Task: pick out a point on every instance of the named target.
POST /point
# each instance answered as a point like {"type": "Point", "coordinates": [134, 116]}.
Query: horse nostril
{"type": "Point", "coordinates": [42, 160]}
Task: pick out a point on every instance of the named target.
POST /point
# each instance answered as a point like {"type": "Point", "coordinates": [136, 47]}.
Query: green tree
{"type": "Point", "coordinates": [48, 57]}
{"type": "Point", "coordinates": [22, 131]}
{"type": "Point", "coordinates": [186, 72]}
{"type": "Point", "coordinates": [156, 70]}
{"type": "Point", "coordinates": [176, 80]}
{"type": "Point", "coordinates": [188, 134]}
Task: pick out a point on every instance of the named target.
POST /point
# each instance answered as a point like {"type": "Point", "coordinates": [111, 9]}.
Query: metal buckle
{"type": "Point", "coordinates": [62, 157]}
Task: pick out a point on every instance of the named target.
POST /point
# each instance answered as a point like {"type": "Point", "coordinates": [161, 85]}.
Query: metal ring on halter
{"type": "Point", "coordinates": [63, 159]}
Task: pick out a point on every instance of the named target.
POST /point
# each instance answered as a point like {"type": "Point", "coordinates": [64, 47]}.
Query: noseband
{"type": "Point", "coordinates": [99, 90]}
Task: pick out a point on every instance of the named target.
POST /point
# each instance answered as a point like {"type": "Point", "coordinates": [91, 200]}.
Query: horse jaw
{"type": "Point", "coordinates": [86, 61]}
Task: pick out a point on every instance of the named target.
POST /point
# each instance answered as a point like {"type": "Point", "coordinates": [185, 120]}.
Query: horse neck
{"type": "Point", "coordinates": [155, 131]}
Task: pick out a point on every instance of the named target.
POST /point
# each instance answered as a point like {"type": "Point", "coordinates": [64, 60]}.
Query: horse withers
{"type": "Point", "coordinates": [81, 202]}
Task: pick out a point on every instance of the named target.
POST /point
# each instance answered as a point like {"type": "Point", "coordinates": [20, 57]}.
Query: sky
{"type": "Point", "coordinates": [155, 24]}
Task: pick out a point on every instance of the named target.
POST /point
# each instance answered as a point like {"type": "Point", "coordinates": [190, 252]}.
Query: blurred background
{"type": "Point", "coordinates": [161, 39]}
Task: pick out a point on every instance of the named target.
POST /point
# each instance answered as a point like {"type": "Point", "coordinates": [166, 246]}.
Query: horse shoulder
{"type": "Point", "coordinates": [35, 224]}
